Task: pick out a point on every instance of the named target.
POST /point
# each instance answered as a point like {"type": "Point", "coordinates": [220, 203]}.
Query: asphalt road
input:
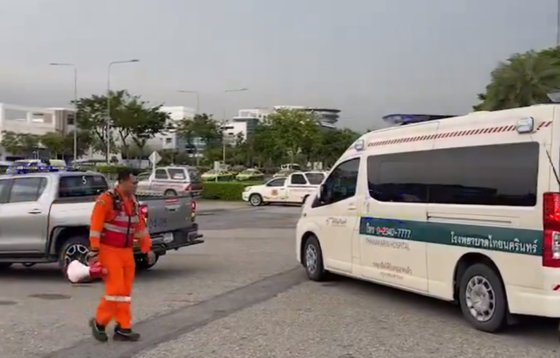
{"type": "Point", "coordinates": [241, 294]}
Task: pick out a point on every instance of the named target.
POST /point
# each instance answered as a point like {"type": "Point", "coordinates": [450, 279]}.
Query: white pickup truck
{"type": "Point", "coordinates": [293, 189]}
{"type": "Point", "coordinates": [44, 218]}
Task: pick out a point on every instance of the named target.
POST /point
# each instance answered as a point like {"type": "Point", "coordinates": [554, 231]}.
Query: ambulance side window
{"type": "Point", "coordinates": [342, 182]}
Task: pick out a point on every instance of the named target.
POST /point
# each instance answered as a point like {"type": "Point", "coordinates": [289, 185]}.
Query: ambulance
{"type": "Point", "coordinates": [465, 209]}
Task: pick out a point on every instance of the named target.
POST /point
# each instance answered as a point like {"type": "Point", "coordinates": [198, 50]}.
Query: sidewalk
{"type": "Point", "coordinates": [209, 205]}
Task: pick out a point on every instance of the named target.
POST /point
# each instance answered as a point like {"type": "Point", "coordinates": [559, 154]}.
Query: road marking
{"type": "Point", "coordinates": [171, 325]}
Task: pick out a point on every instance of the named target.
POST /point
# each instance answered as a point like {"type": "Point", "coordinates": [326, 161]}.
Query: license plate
{"type": "Point", "coordinates": [168, 237]}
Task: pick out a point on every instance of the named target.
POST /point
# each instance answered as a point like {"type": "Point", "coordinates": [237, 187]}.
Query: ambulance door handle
{"type": "Point", "coordinates": [352, 206]}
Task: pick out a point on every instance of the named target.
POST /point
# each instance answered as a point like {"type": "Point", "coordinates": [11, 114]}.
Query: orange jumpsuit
{"type": "Point", "coordinates": [117, 259]}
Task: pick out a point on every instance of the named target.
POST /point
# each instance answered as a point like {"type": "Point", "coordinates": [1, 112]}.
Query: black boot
{"type": "Point", "coordinates": [98, 331]}
{"type": "Point", "coordinates": [125, 335]}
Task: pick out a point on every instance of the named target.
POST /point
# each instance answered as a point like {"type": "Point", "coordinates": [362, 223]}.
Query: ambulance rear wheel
{"type": "Point", "coordinates": [75, 248]}
{"type": "Point", "coordinates": [482, 298]}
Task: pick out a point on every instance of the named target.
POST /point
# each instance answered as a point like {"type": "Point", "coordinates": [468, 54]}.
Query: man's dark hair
{"type": "Point", "coordinates": [124, 175]}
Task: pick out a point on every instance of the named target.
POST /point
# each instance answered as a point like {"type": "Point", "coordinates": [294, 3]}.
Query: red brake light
{"type": "Point", "coordinates": [188, 188]}
{"type": "Point", "coordinates": [551, 226]}
{"type": "Point", "coordinates": [144, 210]}
{"type": "Point", "coordinates": [193, 206]}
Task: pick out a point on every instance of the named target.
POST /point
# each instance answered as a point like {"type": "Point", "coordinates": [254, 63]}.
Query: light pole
{"type": "Point", "coordinates": [75, 103]}
{"type": "Point", "coordinates": [224, 120]}
{"type": "Point", "coordinates": [197, 98]}
{"type": "Point", "coordinates": [108, 124]}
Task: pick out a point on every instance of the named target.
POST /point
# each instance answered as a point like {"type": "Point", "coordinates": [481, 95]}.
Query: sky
{"type": "Point", "coordinates": [367, 58]}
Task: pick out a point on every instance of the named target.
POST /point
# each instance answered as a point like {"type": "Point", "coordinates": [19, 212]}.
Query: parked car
{"type": "Point", "coordinates": [294, 189]}
{"type": "Point", "coordinates": [250, 174]}
{"type": "Point", "coordinates": [4, 165]}
{"type": "Point", "coordinates": [45, 218]}
{"type": "Point", "coordinates": [217, 175]}
{"type": "Point", "coordinates": [170, 181]}
{"type": "Point", "coordinates": [287, 169]}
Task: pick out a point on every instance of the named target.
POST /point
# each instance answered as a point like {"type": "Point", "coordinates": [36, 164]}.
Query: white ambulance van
{"type": "Point", "coordinates": [463, 209]}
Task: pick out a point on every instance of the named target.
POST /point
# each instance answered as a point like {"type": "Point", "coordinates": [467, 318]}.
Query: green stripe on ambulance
{"type": "Point", "coordinates": [518, 241]}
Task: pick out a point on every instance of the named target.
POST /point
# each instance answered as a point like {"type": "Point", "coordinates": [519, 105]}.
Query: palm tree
{"type": "Point", "coordinates": [523, 80]}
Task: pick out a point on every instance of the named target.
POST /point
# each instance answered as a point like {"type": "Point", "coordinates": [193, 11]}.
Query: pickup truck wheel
{"type": "Point", "coordinates": [75, 248]}
{"type": "Point", "coordinates": [142, 262]}
{"type": "Point", "coordinates": [255, 200]}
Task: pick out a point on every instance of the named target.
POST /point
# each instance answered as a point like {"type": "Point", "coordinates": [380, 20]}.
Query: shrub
{"type": "Point", "coordinates": [112, 171]}
{"type": "Point", "coordinates": [229, 191]}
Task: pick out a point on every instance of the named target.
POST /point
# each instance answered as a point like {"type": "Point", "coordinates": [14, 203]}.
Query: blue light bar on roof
{"type": "Point", "coordinates": [403, 119]}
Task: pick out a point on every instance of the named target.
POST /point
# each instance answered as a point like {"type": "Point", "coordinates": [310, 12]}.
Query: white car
{"type": "Point", "coordinates": [293, 189]}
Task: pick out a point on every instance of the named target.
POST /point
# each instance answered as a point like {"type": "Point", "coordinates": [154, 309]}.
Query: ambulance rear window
{"type": "Point", "coordinates": [81, 186]}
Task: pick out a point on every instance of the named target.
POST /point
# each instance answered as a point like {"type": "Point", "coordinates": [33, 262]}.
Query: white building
{"type": "Point", "coordinates": [327, 117]}
{"type": "Point", "coordinates": [33, 120]}
{"type": "Point", "coordinates": [259, 113]}
{"type": "Point", "coordinates": [170, 139]}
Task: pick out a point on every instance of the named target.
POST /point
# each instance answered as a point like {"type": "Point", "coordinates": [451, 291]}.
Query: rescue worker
{"type": "Point", "coordinates": [116, 225]}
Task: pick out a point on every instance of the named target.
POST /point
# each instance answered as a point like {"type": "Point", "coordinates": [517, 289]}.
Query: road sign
{"type": "Point", "coordinates": [155, 157]}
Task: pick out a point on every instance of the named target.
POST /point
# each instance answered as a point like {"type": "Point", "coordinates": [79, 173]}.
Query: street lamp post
{"type": "Point", "coordinates": [75, 103]}
{"type": "Point", "coordinates": [197, 98]}
{"type": "Point", "coordinates": [224, 120]}
{"type": "Point", "coordinates": [108, 124]}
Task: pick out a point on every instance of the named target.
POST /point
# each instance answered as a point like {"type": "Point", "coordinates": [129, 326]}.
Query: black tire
{"type": "Point", "coordinates": [312, 258]}
{"type": "Point", "coordinates": [142, 262]}
{"type": "Point", "coordinates": [255, 200]}
{"type": "Point", "coordinates": [5, 265]}
{"type": "Point", "coordinates": [484, 280]}
{"type": "Point", "coordinates": [75, 248]}
{"type": "Point", "coordinates": [170, 192]}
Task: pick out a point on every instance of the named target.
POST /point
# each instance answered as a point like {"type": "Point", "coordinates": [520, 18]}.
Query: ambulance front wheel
{"type": "Point", "coordinates": [312, 257]}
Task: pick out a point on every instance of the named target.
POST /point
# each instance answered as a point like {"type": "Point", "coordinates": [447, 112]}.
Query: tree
{"type": "Point", "coordinates": [333, 143]}
{"type": "Point", "coordinates": [206, 128]}
{"type": "Point", "coordinates": [147, 122]}
{"type": "Point", "coordinates": [23, 144]}
{"type": "Point", "coordinates": [92, 118]}
{"type": "Point", "coordinates": [62, 145]}
{"type": "Point", "coordinates": [295, 130]}
{"type": "Point", "coordinates": [523, 80]}
{"type": "Point", "coordinates": [266, 147]}
{"type": "Point", "coordinates": [55, 142]}
{"type": "Point", "coordinates": [131, 118]}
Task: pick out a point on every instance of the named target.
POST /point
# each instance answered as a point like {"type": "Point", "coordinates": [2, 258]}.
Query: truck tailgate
{"type": "Point", "coordinates": [167, 214]}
